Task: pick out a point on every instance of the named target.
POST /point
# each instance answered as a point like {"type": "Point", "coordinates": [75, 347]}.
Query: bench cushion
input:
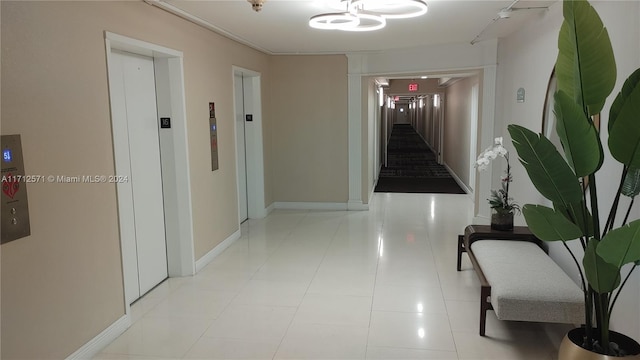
{"type": "Point", "coordinates": [526, 284]}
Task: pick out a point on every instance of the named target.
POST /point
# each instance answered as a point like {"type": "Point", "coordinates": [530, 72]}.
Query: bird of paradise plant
{"type": "Point", "coordinates": [586, 73]}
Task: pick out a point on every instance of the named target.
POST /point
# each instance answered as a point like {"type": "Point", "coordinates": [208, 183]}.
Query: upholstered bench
{"type": "Point", "coordinates": [519, 281]}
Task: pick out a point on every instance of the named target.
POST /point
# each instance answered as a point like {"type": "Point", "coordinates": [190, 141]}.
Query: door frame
{"type": "Point", "coordinates": [473, 137]}
{"type": "Point", "coordinates": [176, 188]}
{"type": "Point", "coordinates": [440, 134]}
{"type": "Point", "coordinates": [254, 148]}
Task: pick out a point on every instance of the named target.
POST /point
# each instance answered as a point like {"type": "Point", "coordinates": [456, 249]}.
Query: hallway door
{"type": "Point", "coordinates": [401, 114]}
{"type": "Point", "coordinates": [146, 249]}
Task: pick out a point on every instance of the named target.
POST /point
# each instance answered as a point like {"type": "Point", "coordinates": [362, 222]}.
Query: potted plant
{"type": "Point", "coordinates": [586, 74]}
{"type": "Point", "coordinates": [502, 205]}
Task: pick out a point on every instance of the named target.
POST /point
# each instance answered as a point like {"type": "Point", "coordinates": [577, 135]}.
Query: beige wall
{"type": "Point", "coordinates": [457, 129]}
{"type": "Point", "coordinates": [308, 109]}
{"type": "Point", "coordinates": [62, 285]}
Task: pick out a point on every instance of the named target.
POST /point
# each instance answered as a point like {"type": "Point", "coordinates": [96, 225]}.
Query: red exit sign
{"type": "Point", "coordinates": [413, 87]}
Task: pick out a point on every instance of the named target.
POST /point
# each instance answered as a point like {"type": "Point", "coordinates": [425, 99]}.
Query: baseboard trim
{"type": "Point", "coordinates": [371, 194]}
{"type": "Point", "coordinates": [95, 345]}
{"type": "Point", "coordinates": [310, 206]}
{"type": "Point", "coordinates": [270, 208]}
{"type": "Point", "coordinates": [357, 206]}
{"type": "Point", "coordinates": [208, 257]}
{"type": "Point", "coordinates": [462, 185]}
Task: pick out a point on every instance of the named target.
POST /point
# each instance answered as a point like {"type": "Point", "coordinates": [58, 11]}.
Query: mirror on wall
{"type": "Point", "coordinates": [549, 119]}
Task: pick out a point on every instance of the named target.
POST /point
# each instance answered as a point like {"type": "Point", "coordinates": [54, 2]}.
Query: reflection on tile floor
{"type": "Point", "coordinates": [377, 284]}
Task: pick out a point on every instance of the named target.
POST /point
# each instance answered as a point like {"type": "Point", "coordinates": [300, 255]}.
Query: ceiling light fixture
{"type": "Point", "coordinates": [392, 9]}
{"type": "Point", "coordinates": [334, 21]}
{"type": "Point", "coordinates": [256, 5]}
{"type": "Point", "coordinates": [368, 15]}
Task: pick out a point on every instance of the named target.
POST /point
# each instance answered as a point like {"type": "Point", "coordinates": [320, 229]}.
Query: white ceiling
{"type": "Point", "coordinates": [282, 25]}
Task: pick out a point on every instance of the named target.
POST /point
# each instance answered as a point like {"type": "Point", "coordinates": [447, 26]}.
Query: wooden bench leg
{"type": "Point", "coordinates": [485, 305]}
{"type": "Point", "coordinates": [461, 249]}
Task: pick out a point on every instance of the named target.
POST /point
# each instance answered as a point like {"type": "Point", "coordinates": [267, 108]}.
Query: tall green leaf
{"type": "Point", "coordinates": [585, 67]}
{"type": "Point", "coordinates": [624, 133]}
{"type": "Point", "coordinates": [622, 245]}
{"type": "Point", "coordinates": [631, 185]}
{"type": "Point", "coordinates": [602, 276]}
{"type": "Point", "coordinates": [548, 225]}
{"type": "Point", "coordinates": [578, 135]}
{"type": "Point", "coordinates": [547, 169]}
{"type": "Point", "coordinates": [578, 214]}
{"type": "Point", "coordinates": [623, 96]}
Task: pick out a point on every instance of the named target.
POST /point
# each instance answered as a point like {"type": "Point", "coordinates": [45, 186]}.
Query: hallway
{"type": "Point", "coordinates": [377, 284]}
{"type": "Point", "coordinates": [412, 167]}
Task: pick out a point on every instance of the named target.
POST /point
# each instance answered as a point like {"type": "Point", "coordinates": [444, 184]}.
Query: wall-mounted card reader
{"type": "Point", "coordinates": [14, 209]}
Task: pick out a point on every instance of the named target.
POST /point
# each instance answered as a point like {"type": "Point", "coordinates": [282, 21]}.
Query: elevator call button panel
{"type": "Point", "coordinates": [213, 132]}
{"type": "Point", "coordinates": [14, 209]}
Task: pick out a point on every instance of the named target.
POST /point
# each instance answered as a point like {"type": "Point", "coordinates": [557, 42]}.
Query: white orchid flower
{"type": "Point", "coordinates": [499, 198]}
{"type": "Point", "coordinates": [491, 153]}
{"type": "Point", "coordinates": [482, 163]}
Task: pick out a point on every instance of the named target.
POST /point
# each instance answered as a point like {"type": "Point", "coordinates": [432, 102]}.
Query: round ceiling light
{"type": "Point", "coordinates": [367, 15]}
{"type": "Point", "coordinates": [367, 23]}
{"type": "Point", "coordinates": [334, 21]}
{"type": "Point", "coordinates": [392, 9]}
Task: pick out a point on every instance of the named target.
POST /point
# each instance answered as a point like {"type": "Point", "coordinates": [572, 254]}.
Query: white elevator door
{"type": "Point", "coordinates": [149, 244]}
{"type": "Point", "coordinates": [240, 148]}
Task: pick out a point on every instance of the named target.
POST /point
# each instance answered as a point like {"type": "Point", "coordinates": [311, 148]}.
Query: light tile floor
{"type": "Point", "coordinates": [377, 284]}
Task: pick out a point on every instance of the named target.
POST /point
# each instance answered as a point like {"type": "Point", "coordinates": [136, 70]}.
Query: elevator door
{"type": "Point", "coordinates": [145, 251]}
{"type": "Point", "coordinates": [243, 212]}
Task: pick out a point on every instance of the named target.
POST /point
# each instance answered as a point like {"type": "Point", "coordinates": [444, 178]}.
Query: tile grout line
{"type": "Point", "coordinates": [288, 233]}
{"type": "Point", "coordinates": [308, 286]}
{"type": "Point", "coordinates": [442, 291]}
{"type": "Point", "coordinates": [375, 280]}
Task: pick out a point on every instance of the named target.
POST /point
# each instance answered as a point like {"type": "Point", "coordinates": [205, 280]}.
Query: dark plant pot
{"type": "Point", "coordinates": [570, 348]}
{"type": "Point", "coordinates": [502, 221]}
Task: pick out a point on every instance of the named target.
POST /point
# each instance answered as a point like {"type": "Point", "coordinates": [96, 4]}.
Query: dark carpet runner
{"type": "Point", "coordinates": [412, 167]}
